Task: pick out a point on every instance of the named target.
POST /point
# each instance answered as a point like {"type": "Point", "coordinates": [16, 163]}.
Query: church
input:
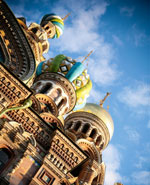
{"type": "Point", "coordinates": [49, 135]}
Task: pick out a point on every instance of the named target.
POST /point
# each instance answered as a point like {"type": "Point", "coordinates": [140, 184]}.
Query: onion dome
{"type": "Point", "coordinates": [100, 112]}
{"type": "Point", "coordinates": [57, 21]}
{"type": "Point", "coordinates": [74, 71]}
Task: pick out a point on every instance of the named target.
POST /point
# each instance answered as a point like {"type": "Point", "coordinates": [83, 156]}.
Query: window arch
{"type": "Point", "coordinates": [66, 150]}
{"type": "Point", "coordinates": [36, 128]}
{"type": "Point", "coordinates": [62, 146]}
{"type": "Point", "coordinates": [57, 141]}
{"type": "Point", "coordinates": [98, 140]}
{"type": "Point", "coordinates": [71, 154]}
{"type": "Point", "coordinates": [77, 125]}
{"type": "Point", "coordinates": [85, 128]}
{"type": "Point", "coordinates": [69, 125]}
{"type": "Point", "coordinates": [6, 155]}
{"type": "Point", "coordinates": [62, 102]}
{"type": "Point", "coordinates": [41, 133]}
{"type": "Point", "coordinates": [93, 133]}
{"type": "Point", "coordinates": [45, 88]}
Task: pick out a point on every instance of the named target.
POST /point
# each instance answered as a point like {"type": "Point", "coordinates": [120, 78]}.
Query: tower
{"type": "Point", "coordinates": [91, 128]}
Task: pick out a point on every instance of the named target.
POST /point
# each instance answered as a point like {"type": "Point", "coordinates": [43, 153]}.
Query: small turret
{"type": "Point", "coordinates": [75, 76]}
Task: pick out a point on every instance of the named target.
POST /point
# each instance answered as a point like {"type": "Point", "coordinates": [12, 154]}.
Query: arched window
{"type": "Point", "coordinates": [13, 88]}
{"type": "Point", "coordinates": [34, 30]}
{"type": "Point", "coordinates": [62, 102]}
{"type": "Point", "coordinates": [21, 114]}
{"type": "Point", "coordinates": [36, 128]}
{"type": "Point", "coordinates": [26, 119]}
{"type": "Point", "coordinates": [18, 93]}
{"type": "Point", "coordinates": [57, 141]}
{"type": "Point", "coordinates": [62, 146]}
{"type": "Point", "coordinates": [98, 140]}
{"type": "Point", "coordinates": [2, 79]}
{"type": "Point", "coordinates": [6, 156]}
{"type": "Point", "coordinates": [76, 159]}
{"type": "Point", "coordinates": [46, 137]}
{"type": "Point", "coordinates": [37, 84]}
{"type": "Point", "coordinates": [102, 145]}
{"type": "Point", "coordinates": [7, 84]}
{"type": "Point", "coordinates": [41, 133]}
{"type": "Point", "coordinates": [77, 125]}
{"type": "Point", "coordinates": [46, 88]}
{"type": "Point", "coordinates": [85, 128]}
{"type": "Point", "coordinates": [32, 124]}
{"type": "Point", "coordinates": [69, 125]}
{"type": "Point", "coordinates": [93, 133]}
{"type": "Point", "coordinates": [66, 150]}
{"type": "Point", "coordinates": [71, 154]}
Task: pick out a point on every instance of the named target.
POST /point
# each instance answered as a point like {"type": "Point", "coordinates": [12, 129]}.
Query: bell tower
{"type": "Point", "coordinates": [91, 128]}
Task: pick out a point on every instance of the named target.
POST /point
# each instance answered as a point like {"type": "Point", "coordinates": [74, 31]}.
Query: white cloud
{"type": "Point", "coordinates": [117, 40]}
{"type": "Point", "coordinates": [142, 177]}
{"type": "Point", "coordinates": [135, 96]}
{"type": "Point", "coordinates": [95, 95]}
{"type": "Point", "coordinates": [82, 35]}
{"type": "Point", "coordinates": [111, 157]}
{"type": "Point", "coordinates": [133, 135]}
{"type": "Point", "coordinates": [127, 11]}
{"type": "Point", "coordinates": [139, 38]}
{"type": "Point", "coordinates": [140, 162]}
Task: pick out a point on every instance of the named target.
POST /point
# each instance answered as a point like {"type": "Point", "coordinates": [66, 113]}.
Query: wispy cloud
{"type": "Point", "coordinates": [111, 157]}
{"type": "Point", "coordinates": [133, 135]}
{"type": "Point", "coordinates": [117, 40]}
{"type": "Point", "coordinates": [136, 96]}
{"type": "Point", "coordinates": [140, 162]}
{"type": "Point", "coordinates": [82, 35]}
{"type": "Point", "coordinates": [141, 177]}
{"type": "Point", "coordinates": [127, 11]}
{"type": "Point", "coordinates": [139, 36]}
{"type": "Point", "coordinates": [95, 95]}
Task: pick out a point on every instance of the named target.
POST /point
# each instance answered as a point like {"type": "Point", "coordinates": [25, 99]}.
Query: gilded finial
{"type": "Point", "coordinates": [87, 56]}
{"type": "Point", "coordinates": [103, 100]}
{"type": "Point", "coordinates": [66, 16]}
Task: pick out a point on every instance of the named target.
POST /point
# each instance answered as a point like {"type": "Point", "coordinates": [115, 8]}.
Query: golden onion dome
{"type": "Point", "coordinates": [102, 114]}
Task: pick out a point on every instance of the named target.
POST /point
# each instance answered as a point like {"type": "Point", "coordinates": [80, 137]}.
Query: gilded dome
{"type": "Point", "coordinates": [102, 114]}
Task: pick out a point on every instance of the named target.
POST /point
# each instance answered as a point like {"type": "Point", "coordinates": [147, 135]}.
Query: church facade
{"type": "Point", "coordinates": [37, 145]}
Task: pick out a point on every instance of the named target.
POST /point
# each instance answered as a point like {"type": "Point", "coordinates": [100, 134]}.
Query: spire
{"type": "Point", "coordinates": [66, 16]}
{"type": "Point", "coordinates": [103, 100]}
{"type": "Point", "coordinates": [87, 56]}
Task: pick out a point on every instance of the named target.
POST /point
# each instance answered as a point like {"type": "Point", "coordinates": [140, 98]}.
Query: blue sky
{"type": "Point", "coordinates": [119, 33]}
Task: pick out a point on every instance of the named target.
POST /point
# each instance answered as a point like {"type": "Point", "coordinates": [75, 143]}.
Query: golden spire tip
{"type": "Point", "coordinates": [66, 16]}
{"type": "Point", "coordinates": [87, 56]}
{"type": "Point", "coordinates": [103, 100]}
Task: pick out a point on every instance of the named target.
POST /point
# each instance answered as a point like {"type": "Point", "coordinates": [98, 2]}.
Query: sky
{"type": "Point", "coordinates": [118, 32]}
